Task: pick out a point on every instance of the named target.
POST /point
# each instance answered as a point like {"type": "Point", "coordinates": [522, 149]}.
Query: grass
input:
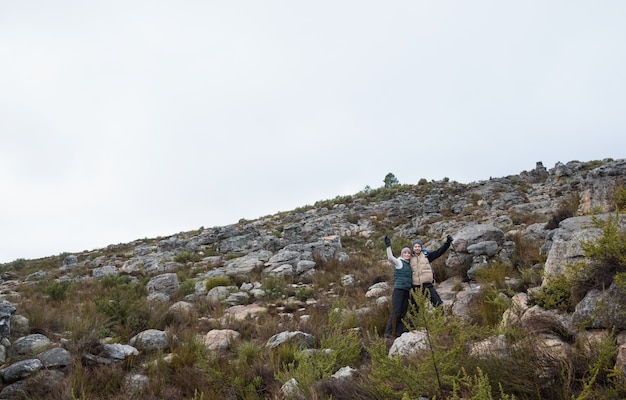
{"type": "Point", "coordinates": [81, 313]}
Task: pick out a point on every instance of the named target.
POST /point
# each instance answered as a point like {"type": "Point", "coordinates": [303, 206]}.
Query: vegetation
{"type": "Point", "coordinates": [606, 262]}
{"type": "Point", "coordinates": [567, 208]}
{"type": "Point", "coordinates": [391, 180]}
{"type": "Point", "coordinates": [450, 362]}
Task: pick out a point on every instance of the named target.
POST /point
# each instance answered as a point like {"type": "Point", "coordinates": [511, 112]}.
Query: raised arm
{"type": "Point", "coordinates": [433, 255]}
{"type": "Point", "coordinates": [396, 263]}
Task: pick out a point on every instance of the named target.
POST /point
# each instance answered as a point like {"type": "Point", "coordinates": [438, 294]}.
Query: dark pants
{"type": "Point", "coordinates": [430, 291]}
{"type": "Point", "coordinates": [399, 307]}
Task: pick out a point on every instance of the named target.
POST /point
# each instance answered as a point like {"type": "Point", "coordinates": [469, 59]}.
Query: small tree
{"type": "Point", "coordinates": [391, 180]}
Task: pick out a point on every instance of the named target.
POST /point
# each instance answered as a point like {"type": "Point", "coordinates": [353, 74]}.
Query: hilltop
{"type": "Point", "coordinates": [293, 305]}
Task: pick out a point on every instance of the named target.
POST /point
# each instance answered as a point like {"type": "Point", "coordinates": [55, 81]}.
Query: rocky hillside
{"type": "Point", "coordinates": [124, 321]}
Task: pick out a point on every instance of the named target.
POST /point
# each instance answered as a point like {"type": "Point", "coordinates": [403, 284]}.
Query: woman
{"type": "Point", "coordinates": [401, 290]}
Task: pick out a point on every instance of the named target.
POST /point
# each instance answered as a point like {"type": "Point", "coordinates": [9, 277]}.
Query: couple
{"type": "Point", "coordinates": [412, 270]}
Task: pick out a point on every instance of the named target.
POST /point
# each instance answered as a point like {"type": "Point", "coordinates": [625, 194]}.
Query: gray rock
{"type": "Point", "coordinates": [377, 290]}
{"type": "Point", "coordinates": [473, 234]}
{"type": "Point", "coordinates": [158, 297]}
{"type": "Point", "coordinates": [13, 391]}
{"type": "Point", "coordinates": [150, 340]}
{"type": "Point", "coordinates": [181, 308]}
{"type": "Point", "coordinates": [7, 309]}
{"type": "Point", "coordinates": [346, 372]}
{"type": "Point", "coordinates": [550, 322]}
{"type": "Point", "coordinates": [600, 184]}
{"type": "Point", "coordinates": [219, 293]}
{"type": "Point", "coordinates": [291, 390]}
{"type": "Point", "coordinates": [165, 283]}
{"type": "Point", "coordinates": [20, 370]}
{"type": "Point", "coordinates": [488, 248]}
{"type": "Point", "coordinates": [566, 241]}
{"type": "Point", "coordinates": [70, 261]}
{"type": "Point", "coordinates": [242, 266]}
{"type": "Point", "coordinates": [237, 298]}
{"type": "Point", "coordinates": [118, 351]}
{"type": "Point", "coordinates": [283, 257]}
{"type": "Point", "coordinates": [56, 357]}
{"type": "Point", "coordinates": [283, 270]}
{"type": "Point", "coordinates": [31, 344]}
{"type": "Point", "coordinates": [492, 347]}
{"type": "Point", "coordinates": [304, 266]}
{"type": "Point", "coordinates": [302, 339]}
{"type": "Point", "coordinates": [20, 326]}
{"type": "Point", "coordinates": [409, 343]}
{"type": "Point", "coordinates": [36, 276]}
{"type": "Point", "coordinates": [171, 243]}
{"type": "Point", "coordinates": [602, 309]}
{"type": "Point", "coordinates": [220, 339]}
{"type": "Point", "coordinates": [101, 272]}
{"type": "Point", "coordinates": [466, 300]}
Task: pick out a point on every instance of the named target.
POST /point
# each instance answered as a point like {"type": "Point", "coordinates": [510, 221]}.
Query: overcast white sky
{"type": "Point", "coordinates": [122, 120]}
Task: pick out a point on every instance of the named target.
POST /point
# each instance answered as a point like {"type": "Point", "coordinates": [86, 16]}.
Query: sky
{"type": "Point", "coordinates": [124, 120]}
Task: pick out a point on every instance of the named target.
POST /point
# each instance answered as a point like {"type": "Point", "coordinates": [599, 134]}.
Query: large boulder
{"type": "Point", "coordinates": [599, 185]}
{"type": "Point", "coordinates": [565, 241]}
{"type": "Point", "coordinates": [602, 309]}
{"type": "Point", "coordinates": [473, 246]}
{"type": "Point", "coordinates": [166, 284]}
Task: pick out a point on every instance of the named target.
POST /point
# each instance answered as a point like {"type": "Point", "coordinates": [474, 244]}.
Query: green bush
{"type": "Point", "coordinates": [187, 286]}
{"type": "Point", "coordinates": [492, 303]}
{"type": "Point", "coordinates": [555, 294]}
{"type": "Point", "coordinates": [609, 251]}
{"type": "Point", "coordinates": [274, 288]}
{"type": "Point", "coordinates": [339, 347]}
{"type": "Point", "coordinates": [606, 259]}
{"type": "Point", "coordinates": [303, 293]}
{"type": "Point", "coordinates": [57, 290]}
{"type": "Point", "coordinates": [187, 256]}
{"type": "Point", "coordinates": [619, 198]}
{"type": "Point", "coordinates": [217, 281]}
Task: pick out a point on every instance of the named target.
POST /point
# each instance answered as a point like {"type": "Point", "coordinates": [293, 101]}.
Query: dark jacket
{"type": "Point", "coordinates": [401, 272]}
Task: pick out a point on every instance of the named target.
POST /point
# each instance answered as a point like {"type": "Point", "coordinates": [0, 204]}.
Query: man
{"type": "Point", "coordinates": [422, 272]}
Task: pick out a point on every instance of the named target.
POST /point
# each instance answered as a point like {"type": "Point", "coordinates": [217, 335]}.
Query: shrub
{"type": "Point", "coordinates": [339, 347]}
{"type": "Point", "coordinates": [187, 256]}
{"type": "Point", "coordinates": [555, 294]}
{"type": "Point", "coordinates": [619, 198]}
{"type": "Point", "coordinates": [216, 281]}
{"type": "Point", "coordinates": [609, 251]}
{"type": "Point", "coordinates": [490, 306]}
{"type": "Point", "coordinates": [496, 275]}
{"type": "Point", "coordinates": [529, 277]}
{"type": "Point", "coordinates": [567, 209]}
{"type": "Point", "coordinates": [519, 218]}
{"type": "Point", "coordinates": [18, 263]}
{"type": "Point", "coordinates": [304, 292]}
{"type": "Point", "coordinates": [353, 218]}
{"type": "Point", "coordinates": [274, 288]}
{"type": "Point", "coordinates": [527, 252]}
{"type": "Point", "coordinates": [187, 286]}
{"type": "Point", "coordinates": [606, 260]}
{"type": "Point", "coordinates": [57, 290]}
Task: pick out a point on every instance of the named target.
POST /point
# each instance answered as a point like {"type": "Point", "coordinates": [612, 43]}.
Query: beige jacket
{"type": "Point", "coordinates": [422, 271]}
